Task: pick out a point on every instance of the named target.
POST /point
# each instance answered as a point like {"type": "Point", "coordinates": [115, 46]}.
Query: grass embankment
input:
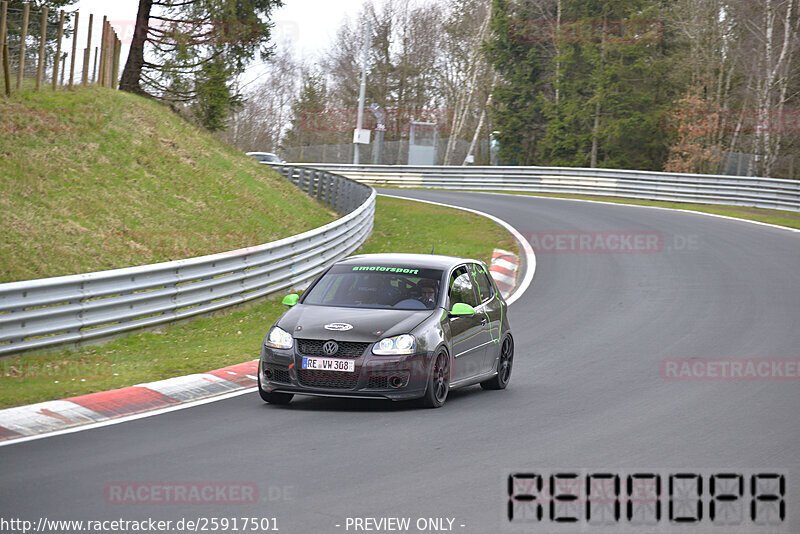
{"type": "Point", "coordinates": [96, 179]}
{"type": "Point", "coordinates": [235, 336]}
{"type": "Point", "coordinates": [789, 219]}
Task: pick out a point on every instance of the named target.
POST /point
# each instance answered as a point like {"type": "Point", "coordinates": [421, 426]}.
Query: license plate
{"type": "Point", "coordinates": [329, 364]}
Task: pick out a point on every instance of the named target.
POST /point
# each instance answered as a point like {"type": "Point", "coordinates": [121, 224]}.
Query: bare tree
{"type": "Point", "coordinates": [466, 79]}
{"type": "Point", "coordinates": [776, 40]}
{"type": "Point", "coordinates": [263, 119]}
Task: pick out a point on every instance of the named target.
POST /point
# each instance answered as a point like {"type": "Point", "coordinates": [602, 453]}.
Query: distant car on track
{"type": "Point", "coordinates": [265, 157]}
{"type": "Point", "coordinates": [391, 326]}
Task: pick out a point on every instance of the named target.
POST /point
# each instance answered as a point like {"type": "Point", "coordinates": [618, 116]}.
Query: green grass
{"type": "Point", "coordinates": [231, 337]}
{"type": "Point", "coordinates": [405, 226]}
{"type": "Point", "coordinates": [789, 219]}
{"type": "Point", "coordinates": [97, 179]}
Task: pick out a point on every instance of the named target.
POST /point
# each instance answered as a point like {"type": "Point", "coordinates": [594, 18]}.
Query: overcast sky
{"type": "Point", "coordinates": [309, 24]}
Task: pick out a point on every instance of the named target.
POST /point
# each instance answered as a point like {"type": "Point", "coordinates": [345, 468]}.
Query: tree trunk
{"type": "Point", "coordinates": [596, 126]}
{"type": "Point", "coordinates": [556, 41]}
{"type": "Point", "coordinates": [133, 67]}
{"type": "Point", "coordinates": [478, 130]}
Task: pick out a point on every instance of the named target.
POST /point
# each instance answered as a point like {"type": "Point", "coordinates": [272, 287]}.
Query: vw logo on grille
{"type": "Point", "coordinates": [339, 327]}
{"type": "Point", "coordinates": [330, 348]}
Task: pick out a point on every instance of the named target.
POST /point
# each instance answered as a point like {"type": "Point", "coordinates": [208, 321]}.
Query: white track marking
{"type": "Point", "coordinates": [530, 257]}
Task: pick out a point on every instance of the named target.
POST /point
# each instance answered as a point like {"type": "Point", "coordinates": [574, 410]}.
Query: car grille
{"type": "Point", "coordinates": [279, 374]}
{"type": "Point", "coordinates": [378, 382]}
{"type": "Point", "coordinates": [347, 349]}
{"type": "Point", "coordinates": [327, 379]}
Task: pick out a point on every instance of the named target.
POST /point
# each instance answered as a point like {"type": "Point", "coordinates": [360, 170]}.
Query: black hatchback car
{"type": "Point", "coordinates": [391, 326]}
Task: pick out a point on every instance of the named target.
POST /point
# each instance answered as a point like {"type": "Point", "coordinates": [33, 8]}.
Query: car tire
{"type": "Point", "coordinates": [504, 365]}
{"type": "Point", "coordinates": [438, 382]}
{"type": "Point", "coordinates": [273, 397]}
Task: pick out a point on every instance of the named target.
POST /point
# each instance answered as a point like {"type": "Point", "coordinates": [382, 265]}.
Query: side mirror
{"type": "Point", "coordinates": [459, 308]}
{"type": "Point", "coordinates": [290, 300]}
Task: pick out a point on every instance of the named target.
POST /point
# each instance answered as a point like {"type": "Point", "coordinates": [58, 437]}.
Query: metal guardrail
{"type": "Point", "coordinates": [771, 193]}
{"type": "Point", "coordinates": [42, 313]}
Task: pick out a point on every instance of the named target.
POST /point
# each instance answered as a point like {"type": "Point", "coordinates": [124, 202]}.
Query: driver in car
{"type": "Point", "coordinates": [427, 292]}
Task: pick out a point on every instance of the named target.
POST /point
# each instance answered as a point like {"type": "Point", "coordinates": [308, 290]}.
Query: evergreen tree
{"type": "Point", "coordinates": [613, 87]}
{"type": "Point", "coordinates": [215, 98]}
{"type": "Point", "coordinates": [521, 63]}
{"type": "Point", "coordinates": [584, 86]}
{"type": "Point", "coordinates": [310, 123]}
{"type": "Point", "coordinates": [188, 51]}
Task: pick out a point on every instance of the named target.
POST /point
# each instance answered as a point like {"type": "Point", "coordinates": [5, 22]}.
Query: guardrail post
{"type": "Point", "coordinates": [340, 186]}
{"type": "Point", "coordinates": [349, 203]}
{"type": "Point", "coordinates": [328, 184]}
{"type": "Point", "coordinates": [318, 185]}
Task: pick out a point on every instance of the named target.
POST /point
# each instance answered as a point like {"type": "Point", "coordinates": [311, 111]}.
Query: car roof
{"type": "Point", "coordinates": [427, 261]}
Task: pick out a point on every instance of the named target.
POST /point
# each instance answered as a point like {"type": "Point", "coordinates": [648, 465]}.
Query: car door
{"type": "Point", "coordinates": [490, 308]}
{"type": "Point", "coordinates": [468, 332]}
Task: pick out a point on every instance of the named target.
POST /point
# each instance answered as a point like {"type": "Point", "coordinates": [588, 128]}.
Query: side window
{"type": "Point", "coordinates": [485, 291]}
{"type": "Point", "coordinates": [461, 289]}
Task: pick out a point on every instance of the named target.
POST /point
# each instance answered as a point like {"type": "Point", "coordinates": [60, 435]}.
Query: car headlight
{"type": "Point", "coordinates": [402, 344]}
{"type": "Point", "coordinates": [279, 339]}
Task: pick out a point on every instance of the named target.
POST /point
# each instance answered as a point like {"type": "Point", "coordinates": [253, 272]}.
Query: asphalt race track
{"type": "Point", "coordinates": [589, 394]}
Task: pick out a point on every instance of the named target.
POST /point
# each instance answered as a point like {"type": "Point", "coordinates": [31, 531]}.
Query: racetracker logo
{"type": "Point", "coordinates": [595, 242]}
{"type": "Point", "coordinates": [164, 493]}
{"type": "Point", "coordinates": [730, 369]}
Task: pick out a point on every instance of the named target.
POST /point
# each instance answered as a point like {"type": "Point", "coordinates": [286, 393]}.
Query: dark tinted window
{"type": "Point", "coordinates": [461, 289]}
{"type": "Point", "coordinates": [376, 286]}
{"type": "Point", "coordinates": [482, 283]}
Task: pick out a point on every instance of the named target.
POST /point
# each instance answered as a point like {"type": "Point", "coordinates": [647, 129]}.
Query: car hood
{"type": "Point", "coordinates": [308, 322]}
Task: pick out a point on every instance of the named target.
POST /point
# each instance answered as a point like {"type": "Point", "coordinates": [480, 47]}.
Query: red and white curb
{"type": "Point", "coordinates": [53, 416]}
{"type": "Point", "coordinates": [504, 269]}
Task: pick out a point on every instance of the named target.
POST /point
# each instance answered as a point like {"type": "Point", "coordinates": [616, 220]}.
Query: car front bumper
{"type": "Point", "coordinates": [378, 377]}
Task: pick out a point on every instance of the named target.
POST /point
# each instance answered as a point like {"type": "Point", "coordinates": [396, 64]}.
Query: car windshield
{"type": "Point", "coordinates": [377, 286]}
